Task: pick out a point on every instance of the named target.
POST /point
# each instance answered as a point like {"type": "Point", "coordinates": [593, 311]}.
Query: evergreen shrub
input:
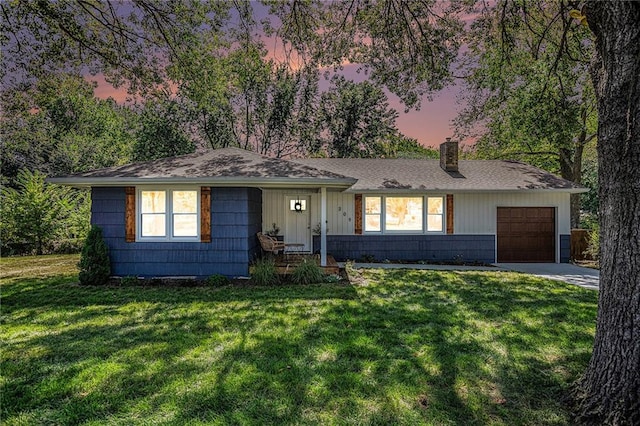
{"type": "Point", "coordinates": [95, 266]}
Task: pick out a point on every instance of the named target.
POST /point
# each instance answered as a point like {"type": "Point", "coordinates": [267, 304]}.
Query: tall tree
{"type": "Point", "coordinates": [32, 214]}
{"type": "Point", "coordinates": [528, 90]}
{"type": "Point", "coordinates": [407, 46]}
{"type": "Point", "coordinates": [58, 126]}
{"type": "Point", "coordinates": [241, 97]}
{"type": "Point", "coordinates": [129, 42]}
{"type": "Point", "coordinates": [355, 119]}
{"type": "Point", "coordinates": [609, 391]}
{"type": "Point", "coordinates": [162, 131]}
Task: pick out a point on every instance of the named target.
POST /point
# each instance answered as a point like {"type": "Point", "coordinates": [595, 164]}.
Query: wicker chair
{"type": "Point", "coordinates": [270, 244]}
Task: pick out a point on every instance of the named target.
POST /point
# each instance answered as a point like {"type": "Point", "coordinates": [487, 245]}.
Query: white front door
{"type": "Point", "coordinates": [298, 226]}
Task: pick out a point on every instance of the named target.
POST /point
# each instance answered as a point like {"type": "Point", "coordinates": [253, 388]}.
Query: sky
{"type": "Point", "coordinates": [430, 125]}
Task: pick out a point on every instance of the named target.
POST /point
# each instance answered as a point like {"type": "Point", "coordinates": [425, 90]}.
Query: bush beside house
{"type": "Point", "coordinates": [95, 266]}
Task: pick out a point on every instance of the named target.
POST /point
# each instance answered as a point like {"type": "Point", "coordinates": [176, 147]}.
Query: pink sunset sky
{"type": "Point", "coordinates": [430, 125]}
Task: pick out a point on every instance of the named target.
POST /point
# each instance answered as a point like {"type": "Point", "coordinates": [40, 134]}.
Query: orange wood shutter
{"type": "Point", "coordinates": [205, 214]}
{"type": "Point", "coordinates": [449, 213]}
{"type": "Point", "coordinates": [130, 214]}
{"type": "Point", "coordinates": [358, 214]}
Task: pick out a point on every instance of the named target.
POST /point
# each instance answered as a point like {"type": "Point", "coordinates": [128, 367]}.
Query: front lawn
{"type": "Point", "coordinates": [392, 347]}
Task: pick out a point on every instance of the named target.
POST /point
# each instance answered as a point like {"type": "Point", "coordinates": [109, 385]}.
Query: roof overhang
{"type": "Point", "coordinates": [465, 191]}
{"type": "Point", "coordinates": [86, 182]}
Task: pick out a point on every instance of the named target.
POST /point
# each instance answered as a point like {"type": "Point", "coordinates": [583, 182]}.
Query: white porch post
{"type": "Point", "coordinates": [323, 226]}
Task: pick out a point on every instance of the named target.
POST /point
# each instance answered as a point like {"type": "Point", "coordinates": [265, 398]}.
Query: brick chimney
{"type": "Point", "coordinates": [449, 156]}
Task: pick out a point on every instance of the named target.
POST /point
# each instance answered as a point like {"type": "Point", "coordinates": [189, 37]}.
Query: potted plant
{"type": "Point", "coordinates": [275, 232]}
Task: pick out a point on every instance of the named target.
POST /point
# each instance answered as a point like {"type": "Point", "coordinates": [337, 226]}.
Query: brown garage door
{"type": "Point", "coordinates": [526, 234]}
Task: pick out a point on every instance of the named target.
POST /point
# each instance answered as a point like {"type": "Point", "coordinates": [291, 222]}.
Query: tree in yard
{"type": "Point", "coordinates": [58, 126]}
{"type": "Point", "coordinates": [528, 90]}
{"type": "Point", "coordinates": [33, 213]}
{"type": "Point", "coordinates": [406, 46]}
{"type": "Point", "coordinates": [609, 391]}
{"type": "Point", "coordinates": [240, 98]}
{"type": "Point", "coordinates": [128, 42]}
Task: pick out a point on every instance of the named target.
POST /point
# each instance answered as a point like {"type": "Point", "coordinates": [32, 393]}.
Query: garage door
{"type": "Point", "coordinates": [526, 234]}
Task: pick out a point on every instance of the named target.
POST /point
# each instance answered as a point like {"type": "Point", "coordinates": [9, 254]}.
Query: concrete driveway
{"type": "Point", "coordinates": [572, 274]}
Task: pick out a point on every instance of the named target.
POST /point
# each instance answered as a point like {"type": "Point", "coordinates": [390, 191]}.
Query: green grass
{"type": "Point", "coordinates": [392, 347]}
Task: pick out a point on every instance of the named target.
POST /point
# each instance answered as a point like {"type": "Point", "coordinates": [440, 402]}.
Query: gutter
{"type": "Point", "coordinates": [352, 190]}
{"type": "Point", "coordinates": [85, 182]}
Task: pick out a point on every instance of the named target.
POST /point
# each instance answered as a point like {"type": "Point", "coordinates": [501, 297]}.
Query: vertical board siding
{"type": "Point", "coordinates": [476, 213]}
{"type": "Point", "coordinates": [235, 219]}
{"type": "Point", "coordinates": [340, 213]}
{"type": "Point", "coordinates": [340, 210]}
{"type": "Point", "coordinates": [473, 213]}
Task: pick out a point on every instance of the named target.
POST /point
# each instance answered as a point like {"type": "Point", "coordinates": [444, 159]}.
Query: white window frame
{"type": "Point", "coordinates": [425, 214]}
{"type": "Point", "coordinates": [168, 237]}
{"type": "Point", "coordinates": [380, 214]}
{"type": "Point", "coordinates": [443, 215]}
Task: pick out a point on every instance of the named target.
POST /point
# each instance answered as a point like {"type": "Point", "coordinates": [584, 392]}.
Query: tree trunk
{"type": "Point", "coordinates": [609, 391]}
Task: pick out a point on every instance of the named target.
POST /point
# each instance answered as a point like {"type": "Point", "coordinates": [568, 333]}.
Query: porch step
{"type": "Point", "coordinates": [286, 264]}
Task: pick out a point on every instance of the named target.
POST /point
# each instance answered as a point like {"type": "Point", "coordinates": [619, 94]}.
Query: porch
{"type": "Point", "coordinates": [286, 263]}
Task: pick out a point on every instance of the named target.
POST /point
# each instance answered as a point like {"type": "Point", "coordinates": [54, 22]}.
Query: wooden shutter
{"type": "Point", "coordinates": [449, 213]}
{"type": "Point", "coordinates": [205, 214]}
{"type": "Point", "coordinates": [358, 214]}
{"type": "Point", "coordinates": [130, 214]}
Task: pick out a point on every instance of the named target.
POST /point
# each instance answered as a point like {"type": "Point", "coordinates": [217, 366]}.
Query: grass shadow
{"type": "Point", "coordinates": [396, 347]}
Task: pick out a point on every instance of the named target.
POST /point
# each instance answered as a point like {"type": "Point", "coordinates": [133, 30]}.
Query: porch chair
{"type": "Point", "coordinates": [270, 244]}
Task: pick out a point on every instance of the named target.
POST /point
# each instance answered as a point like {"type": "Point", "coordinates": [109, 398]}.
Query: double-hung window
{"type": "Point", "coordinates": [372, 213]}
{"type": "Point", "coordinates": [168, 214]}
{"type": "Point", "coordinates": [404, 214]}
{"type": "Point", "coordinates": [435, 214]}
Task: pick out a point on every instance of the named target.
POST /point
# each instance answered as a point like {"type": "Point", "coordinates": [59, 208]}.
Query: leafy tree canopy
{"type": "Point", "coordinates": [32, 213]}
{"type": "Point", "coordinates": [161, 131]}
{"type": "Point", "coordinates": [356, 119]}
{"type": "Point", "coordinates": [127, 42]}
{"type": "Point", "coordinates": [406, 46]}
{"type": "Point", "coordinates": [58, 126]}
{"type": "Point", "coordinates": [528, 94]}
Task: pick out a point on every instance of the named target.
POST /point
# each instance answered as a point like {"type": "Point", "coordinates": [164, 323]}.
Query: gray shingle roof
{"type": "Point", "coordinates": [227, 165]}
{"type": "Point", "coordinates": [420, 175]}
{"type": "Point", "coordinates": [233, 166]}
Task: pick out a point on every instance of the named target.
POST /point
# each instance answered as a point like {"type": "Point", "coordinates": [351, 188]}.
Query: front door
{"type": "Point", "coordinates": [298, 225]}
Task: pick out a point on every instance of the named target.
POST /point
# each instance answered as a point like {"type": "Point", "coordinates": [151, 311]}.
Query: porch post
{"type": "Point", "coordinates": [323, 226]}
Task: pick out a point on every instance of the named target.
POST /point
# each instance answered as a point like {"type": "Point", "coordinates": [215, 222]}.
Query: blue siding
{"type": "Point", "coordinates": [236, 217]}
{"type": "Point", "coordinates": [430, 248]}
{"type": "Point", "coordinates": [565, 248]}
